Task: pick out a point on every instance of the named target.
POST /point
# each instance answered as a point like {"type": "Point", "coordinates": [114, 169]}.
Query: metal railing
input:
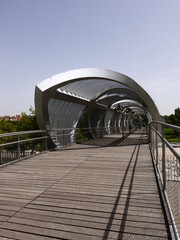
{"type": "Point", "coordinates": [18, 145]}
{"type": "Point", "coordinates": [167, 164]}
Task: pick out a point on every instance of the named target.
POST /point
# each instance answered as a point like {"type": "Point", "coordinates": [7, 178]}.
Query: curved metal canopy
{"type": "Point", "coordinates": [60, 101]}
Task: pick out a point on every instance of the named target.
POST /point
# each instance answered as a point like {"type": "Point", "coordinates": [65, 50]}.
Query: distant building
{"type": "Point", "coordinates": [11, 118]}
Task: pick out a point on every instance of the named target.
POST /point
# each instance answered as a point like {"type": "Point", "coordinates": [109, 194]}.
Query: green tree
{"type": "Point", "coordinates": [32, 110]}
{"type": "Point", "coordinates": [177, 116]}
{"type": "Point", "coordinates": [7, 126]}
{"type": "Point", "coordinates": [173, 119]}
{"type": "Point", "coordinates": [27, 122]}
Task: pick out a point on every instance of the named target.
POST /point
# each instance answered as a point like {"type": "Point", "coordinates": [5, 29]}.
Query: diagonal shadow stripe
{"type": "Point", "coordinates": [108, 227]}
{"type": "Point", "coordinates": [124, 218]}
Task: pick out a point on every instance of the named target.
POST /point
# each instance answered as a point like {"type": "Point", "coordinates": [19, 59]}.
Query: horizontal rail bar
{"type": "Point", "coordinates": [167, 169]}
{"type": "Point", "coordinates": [43, 131]}
{"type": "Point", "coordinates": [177, 128]}
{"type": "Point", "coordinates": [167, 143]}
{"type": "Point", "coordinates": [21, 133]}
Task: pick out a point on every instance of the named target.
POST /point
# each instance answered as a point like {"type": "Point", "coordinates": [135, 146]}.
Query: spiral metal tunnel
{"type": "Point", "coordinates": [107, 98]}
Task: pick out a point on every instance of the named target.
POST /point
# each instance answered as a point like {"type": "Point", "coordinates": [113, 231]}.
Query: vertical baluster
{"type": "Point", "coordinates": [19, 151]}
{"type": "Point", "coordinates": [156, 146]}
{"type": "Point", "coordinates": [163, 161]}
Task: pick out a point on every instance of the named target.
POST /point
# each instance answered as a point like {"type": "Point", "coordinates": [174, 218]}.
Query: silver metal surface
{"type": "Point", "coordinates": [167, 162]}
{"type": "Point", "coordinates": [61, 101]}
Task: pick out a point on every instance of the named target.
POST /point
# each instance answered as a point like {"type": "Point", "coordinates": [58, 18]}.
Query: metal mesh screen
{"type": "Point", "coordinates": [167, 161]}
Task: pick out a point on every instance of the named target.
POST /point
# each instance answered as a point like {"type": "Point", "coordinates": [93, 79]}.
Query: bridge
{"type": "Point", "coordinates": [104, 170]}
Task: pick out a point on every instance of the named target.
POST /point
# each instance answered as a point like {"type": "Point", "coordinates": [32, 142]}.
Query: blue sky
{"type": "Point", "coordinates": [41, 38]}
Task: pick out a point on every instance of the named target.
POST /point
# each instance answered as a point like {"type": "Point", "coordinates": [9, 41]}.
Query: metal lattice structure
{"type": "Point", "coordinates": [167, 165]}
{"type": "Point", "coordinates": [108, 98]}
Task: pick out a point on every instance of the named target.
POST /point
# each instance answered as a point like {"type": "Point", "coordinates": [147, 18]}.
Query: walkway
{"type": "Point", "coordinates": [104, 189]}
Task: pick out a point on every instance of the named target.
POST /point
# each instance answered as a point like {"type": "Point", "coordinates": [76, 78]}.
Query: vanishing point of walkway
{"type": "Point", "coordinates": [104, 189]}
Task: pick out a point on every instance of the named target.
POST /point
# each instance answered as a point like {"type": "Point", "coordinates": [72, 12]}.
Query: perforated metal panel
{"type": "Point", "coordinates": [60, 101]}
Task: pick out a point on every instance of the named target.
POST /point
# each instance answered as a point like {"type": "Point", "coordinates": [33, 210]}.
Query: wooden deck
{"type": "Point", "coordinates": [104, 189]}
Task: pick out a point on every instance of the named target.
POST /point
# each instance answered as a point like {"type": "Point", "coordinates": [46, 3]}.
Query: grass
{"type": "Point", "coordinates": [175, 140]}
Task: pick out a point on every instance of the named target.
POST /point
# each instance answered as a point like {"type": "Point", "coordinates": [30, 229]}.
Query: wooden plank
{"type": "Point", "coordinates": [103, 189]}
{"type": "Point", "coordinates": [59, 212]}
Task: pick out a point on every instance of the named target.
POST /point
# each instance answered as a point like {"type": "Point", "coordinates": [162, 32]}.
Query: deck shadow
{"type": "Point", "coordinates": [107, 142]}
{"type": "Point", "coordinates": [111, 218]}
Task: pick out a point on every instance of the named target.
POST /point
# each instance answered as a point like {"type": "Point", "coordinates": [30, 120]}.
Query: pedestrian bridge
{"type": "Point", "coordinates": [99, 168]}
{"type": "Point", "coordinates": [102, 189]}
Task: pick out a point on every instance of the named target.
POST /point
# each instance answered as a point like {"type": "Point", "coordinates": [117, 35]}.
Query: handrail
{"type": "Point", "coordinates": [168, 170]}
{"type": "Point", "coordinates": [22, 141]}
{"type": "Point", "coordinates": [21, 133]}
{"type": "Point", "coordinates": [167, 143]}
{"type": "Point", "coordinates": [64, 137]}
{"type": "Point", "coordinates": [174, 127]}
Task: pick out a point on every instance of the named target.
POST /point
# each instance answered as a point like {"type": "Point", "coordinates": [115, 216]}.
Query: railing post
{"type": "Point", "coordinates": [19, 147]}
{"type": "Point", "coordinates": [123, 125]}
{"type": "Point", "coordinates": [1, 156]}
{"type": "Point", "coordinates": [46, 140]}
{"type": "Point", "coordinates": [156, 146]}
{"type": "Point", "coordinates": [150, 141]}
{"type": "Point", "coordinates": [63, 137]}
{"type": "Point", "coordinates": [154, 138]}
{"type": "Point", "coordinates": [75, 134]}
{"type": "Point", "coordinates": [163, 161]}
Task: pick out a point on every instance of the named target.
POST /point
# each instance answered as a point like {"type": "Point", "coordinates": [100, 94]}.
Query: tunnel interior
{"type": "Point", "coordinates": [105, 100]}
